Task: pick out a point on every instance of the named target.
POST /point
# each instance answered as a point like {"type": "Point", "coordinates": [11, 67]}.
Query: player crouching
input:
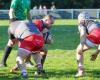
{"type": "Point", "coordinates": [44, 25]}
{"type": "Point", "coordinates": [89, 37]}
{"type": "Point", "coordinates": [30, 40]}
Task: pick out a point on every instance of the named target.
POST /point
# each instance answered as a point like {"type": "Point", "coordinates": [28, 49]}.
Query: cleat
{"type": "Point", "coordinates": [14, 69]}
{"type": "Point", "coordinates": [39, 72]}
{"type": "Point", "coordinates": [24, 75]}
{"type": "Point", "coordinates": [3, 65]}
{"type": "Point", "coordinates": [79, 74]}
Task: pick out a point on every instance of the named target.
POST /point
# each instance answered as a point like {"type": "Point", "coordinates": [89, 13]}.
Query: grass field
{"type": "Point", "coordinates": [61, 62]}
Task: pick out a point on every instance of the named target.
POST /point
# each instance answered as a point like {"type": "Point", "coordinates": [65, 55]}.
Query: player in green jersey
{"type": "Point", "coordinates": [19, 10]}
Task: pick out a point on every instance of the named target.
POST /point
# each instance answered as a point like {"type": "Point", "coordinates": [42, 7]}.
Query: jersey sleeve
{"type": "Point", "coordinates": [14, 4]}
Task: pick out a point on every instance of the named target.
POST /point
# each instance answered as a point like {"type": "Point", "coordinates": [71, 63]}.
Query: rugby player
{"type": "Point", "coordinates": [44, 25]}
{"type": "Point", "coordinates": [30, 39]}
{"type": "Point", "coordinates": [19, 10]}
{"type": "Point", "coordinates": [89, 37]}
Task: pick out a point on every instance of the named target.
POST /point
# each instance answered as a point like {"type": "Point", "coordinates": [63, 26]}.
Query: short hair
{"type": "Point", "coordinates": [48, 16]}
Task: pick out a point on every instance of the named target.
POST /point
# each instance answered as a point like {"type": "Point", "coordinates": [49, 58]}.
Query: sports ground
{"type": "Point", "coordinates": [61, 61]}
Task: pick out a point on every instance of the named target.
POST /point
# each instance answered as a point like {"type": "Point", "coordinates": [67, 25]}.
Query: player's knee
{"type": "Point", "coordinates": [44, 51]}
{"type": "Point", "coordinates": [12, 42]}
{"type": "Point", "coordinates": [19, 60]}
{"type": "Point", "coordinates": [79, 50]}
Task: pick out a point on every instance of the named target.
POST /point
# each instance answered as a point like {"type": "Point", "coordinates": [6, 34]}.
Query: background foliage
{"type": "Point", "coordinates": [62, 4]}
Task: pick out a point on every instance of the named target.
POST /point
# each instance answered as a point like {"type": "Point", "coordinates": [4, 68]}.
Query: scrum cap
{"type": "Point", "coordinates": [83, 16]}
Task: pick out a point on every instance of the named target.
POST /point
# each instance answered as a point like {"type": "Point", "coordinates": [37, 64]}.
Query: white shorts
{"type": "Point", "coordinates": [23, 53]}
{"type": "Point", "coordinates": [90, 44]}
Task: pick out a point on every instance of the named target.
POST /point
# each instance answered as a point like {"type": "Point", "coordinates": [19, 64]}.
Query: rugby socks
{"type": "Point", "coordinates": [6, 54]}
{"type": "Point", "coordinates": [80, 62]}
{"type": "Point", "coordinates": [39, 66]}
{"type": "Point", "coordinates": [43, 59]}
{"type": "Point", "coordinates": [37, 58]}
{"type": "Point", "coordinates": [22, 68]}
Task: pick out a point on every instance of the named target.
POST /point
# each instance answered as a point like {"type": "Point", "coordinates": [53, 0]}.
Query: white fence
{"type": "Point", "coordinates": [57, 13]}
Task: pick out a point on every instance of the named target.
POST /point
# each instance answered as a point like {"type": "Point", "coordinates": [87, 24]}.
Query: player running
{"type": "Point", "coordinates": [89, 37]}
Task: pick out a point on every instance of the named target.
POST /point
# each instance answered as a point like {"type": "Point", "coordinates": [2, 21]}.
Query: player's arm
{"type": "Point", "coordinates": [47, 36]}
{"type": "Point", "coordinates": [13, 6]}
{"type": "Point", "coordinates": [95, 54]}
{"type": "Point", "coordinates": [29, 17]}
{"type": "Point", "coordinates": [82, 32]}
{"type": "Point", "coordinates": [12, 15]}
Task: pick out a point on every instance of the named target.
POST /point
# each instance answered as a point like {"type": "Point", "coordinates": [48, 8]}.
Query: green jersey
{"type": "Point", "coordinates": [21, 8]}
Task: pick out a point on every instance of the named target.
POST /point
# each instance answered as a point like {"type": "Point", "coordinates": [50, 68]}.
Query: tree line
{"type": "Point", "coordinates": [59, 4]}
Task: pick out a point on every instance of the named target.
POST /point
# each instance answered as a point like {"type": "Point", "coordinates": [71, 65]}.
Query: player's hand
{"type": "Point", "coordinates": [93, 57]}
{"type": "Point", "coordinates": [45, 30]}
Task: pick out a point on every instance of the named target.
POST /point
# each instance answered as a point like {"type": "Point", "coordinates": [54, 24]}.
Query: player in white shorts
{"type": "Point", "coordinates": [89, 37]}
{"type": "Point", "coordinates": [30, 40]}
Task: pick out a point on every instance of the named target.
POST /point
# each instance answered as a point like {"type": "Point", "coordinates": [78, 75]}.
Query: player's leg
{"type": "Point", "coordinates": [8, 49]}
{"type": "Point", "coordinates": [80, 59]}
{"type": "Point", "coordinates": [44, 54]}
{"type": "Point", "coordinates": [28, 61]}
{"type": "Point", "coordinates": [37, 58]}
{"type": "Point", "coordinates": [22, 54]}
{"type": "Point", "coordinates": [7, 52]}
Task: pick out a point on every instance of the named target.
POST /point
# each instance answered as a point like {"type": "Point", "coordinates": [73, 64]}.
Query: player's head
{"type": "Point", "coordinates": [48, 21]}
{"type": "Point", "coordinates": [83, 16]}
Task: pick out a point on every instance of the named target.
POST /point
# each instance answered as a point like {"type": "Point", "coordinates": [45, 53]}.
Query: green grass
{"type": "Point", "coordinates": [61, 62]}
{"type": "Point", "coordinates": [4, 22]}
